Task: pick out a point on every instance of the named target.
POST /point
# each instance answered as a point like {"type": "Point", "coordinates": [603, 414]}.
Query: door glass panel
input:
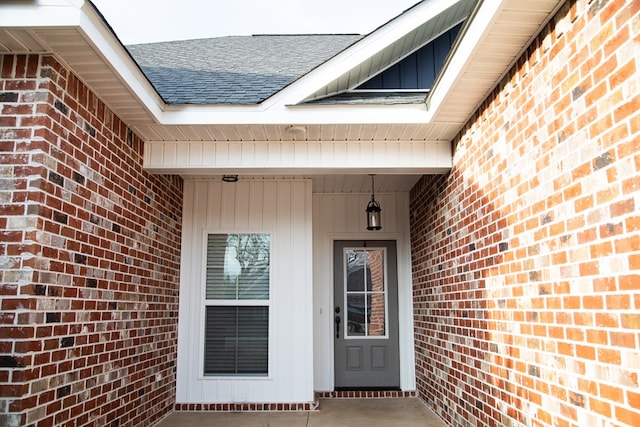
{"type": "Point", "coordinates": [365, 293]}
{"type": "Point", "coordinates": [355, 261]}
{"type": "Point", "coordinates": [375, 268]}
{"type": "Point", "coordinates": [376, 315]}
{"type": "Point", "coordinates": [356, 314]}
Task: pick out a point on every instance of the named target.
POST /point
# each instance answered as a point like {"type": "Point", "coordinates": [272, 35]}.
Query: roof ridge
{"type": "Point", "coordinates": [246, 36]}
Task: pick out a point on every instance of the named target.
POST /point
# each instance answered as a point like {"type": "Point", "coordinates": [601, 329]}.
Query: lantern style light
{"type": "Point", "coordinates": [373, 211]}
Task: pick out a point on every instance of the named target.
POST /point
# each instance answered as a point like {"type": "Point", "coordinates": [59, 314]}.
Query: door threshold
{"type": "Point", "coordinates": [365, 394]}
{"type": "Point", "coordinates": [367, 388]}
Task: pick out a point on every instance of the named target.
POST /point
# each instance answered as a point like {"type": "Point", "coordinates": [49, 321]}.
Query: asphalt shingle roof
{"type": "Point", "coordinates": [233, 70]}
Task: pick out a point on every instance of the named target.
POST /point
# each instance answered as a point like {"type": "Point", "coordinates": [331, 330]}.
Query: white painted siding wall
{"type": "Point", "coordinates": [342, 217]}
{"type": "Point", "coordinates": [282, 208]}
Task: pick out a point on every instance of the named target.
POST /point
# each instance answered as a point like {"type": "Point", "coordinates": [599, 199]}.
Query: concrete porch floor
{"type": "Point", "coordinates": [406, 412]}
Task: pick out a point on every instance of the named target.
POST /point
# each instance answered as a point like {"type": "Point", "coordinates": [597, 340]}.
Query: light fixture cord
{"type": "Point", "coordinates": [372, 190]}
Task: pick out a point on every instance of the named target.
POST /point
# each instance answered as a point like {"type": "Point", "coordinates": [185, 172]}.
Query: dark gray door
{"type": "Point", "coordinates": [366, 315]}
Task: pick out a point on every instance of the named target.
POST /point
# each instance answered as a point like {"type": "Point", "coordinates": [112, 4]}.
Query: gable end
{"type": "Point", "coordinates": [417, 70]}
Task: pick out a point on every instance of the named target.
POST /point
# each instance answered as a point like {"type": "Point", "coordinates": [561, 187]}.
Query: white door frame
{"type": "Point", "coordinates": [405, 303]}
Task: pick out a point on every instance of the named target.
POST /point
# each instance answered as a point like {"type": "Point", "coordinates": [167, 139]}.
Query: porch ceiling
{"type": "Point", "coordinates": [341, 183]}
{"type": "Point", "coordinates": [362, 183]}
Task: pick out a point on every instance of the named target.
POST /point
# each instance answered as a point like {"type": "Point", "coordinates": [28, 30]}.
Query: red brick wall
{"type": "Point", "coordinates": [89, 258]}
{"type": "Point", "coordinates": [526, 261]}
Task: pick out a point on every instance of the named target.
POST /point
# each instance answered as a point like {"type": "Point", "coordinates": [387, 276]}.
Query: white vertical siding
{"type": "Point", "coordinates": [282, 208]}
{"type": "Point", "coordinates": [342, 217]}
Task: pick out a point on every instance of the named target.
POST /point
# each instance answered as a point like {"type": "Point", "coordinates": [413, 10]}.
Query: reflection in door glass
{"type": "Point", "coordinates": [356, 269]}
{"type": "Point", "coordinates": [365, 292]}
{"type": "Point", "coordinates": [356, 315]}
{"type": "Point", "coordinates": [375, 319]}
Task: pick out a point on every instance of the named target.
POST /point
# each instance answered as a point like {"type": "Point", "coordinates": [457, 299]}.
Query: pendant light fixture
{"type": "Point", "coordinates": [373, 211]}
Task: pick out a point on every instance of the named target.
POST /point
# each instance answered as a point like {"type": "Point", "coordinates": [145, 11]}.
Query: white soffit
{"type": "Point", "coordinates": [313, 132]}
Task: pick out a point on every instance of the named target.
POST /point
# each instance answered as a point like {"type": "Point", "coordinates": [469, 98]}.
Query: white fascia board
{"type": "Point", "coordinates": [482, 22]}
{"type": "Point", "coordinates": [118, 59]}
{"type": "Point", "coordinates": [304, 114]}
{"type": "Point", "coordinates": [359, 52]}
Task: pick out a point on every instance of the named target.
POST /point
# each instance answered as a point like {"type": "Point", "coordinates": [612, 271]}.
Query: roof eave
{"type": "Point", "coordinates": [70, 27]}
{"type": "Point", "coordinates": [76, 33]}
{"type": "Point", "coordinates": [451, 98]}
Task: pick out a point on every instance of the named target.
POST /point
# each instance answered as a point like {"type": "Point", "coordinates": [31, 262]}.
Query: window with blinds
{"type": "Point", "coordinates": [236, 331]}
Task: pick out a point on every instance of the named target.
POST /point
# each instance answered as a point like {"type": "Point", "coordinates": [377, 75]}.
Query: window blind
{"type": "Point", "coordinates": [236, 340]}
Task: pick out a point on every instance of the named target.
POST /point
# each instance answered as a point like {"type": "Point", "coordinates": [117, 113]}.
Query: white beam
{"type": "Point", "coordinates": [304, 157]}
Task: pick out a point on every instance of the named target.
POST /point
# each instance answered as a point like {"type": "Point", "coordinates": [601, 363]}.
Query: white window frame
{"type": "Point", "coordinates": [204, 303]}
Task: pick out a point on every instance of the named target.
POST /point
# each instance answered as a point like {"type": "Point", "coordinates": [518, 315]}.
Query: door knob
{"type": "Point", "coordinates": [337, 319]}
